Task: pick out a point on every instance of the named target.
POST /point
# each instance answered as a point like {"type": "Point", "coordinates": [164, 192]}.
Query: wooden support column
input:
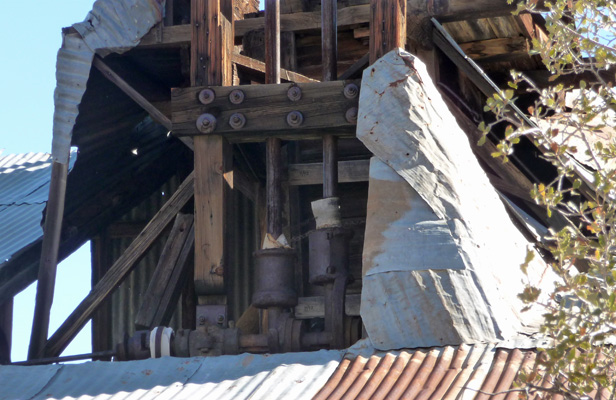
{"type": "Point", "coordinates": [387, 27]}
{"type": "Point", "coordinates": [273, 161]}
{"type": "Point", "coordinates": [210, 64]}
{"type": "Point", "coordinates": [6, 331]}
{"type": "Point", "coordinates": [49, 259]}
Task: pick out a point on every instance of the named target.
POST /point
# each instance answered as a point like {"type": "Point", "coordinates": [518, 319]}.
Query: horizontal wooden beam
{"type": "Point", "coordinates": [312, 173]}
{"type": "Point", "coordinates": [445, 10]}
{"type": "Point", "coordinates": [119, 270]}
{"type": "Point", "coordinates": [267, 110]}
{"type": "Point", "coordinates": [244, 62]}
{"type": "Point", "coordinates": [495, 50]}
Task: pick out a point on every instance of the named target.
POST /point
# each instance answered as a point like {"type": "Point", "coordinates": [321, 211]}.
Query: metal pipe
{"type": "Point", "coordinates": [329, 57]}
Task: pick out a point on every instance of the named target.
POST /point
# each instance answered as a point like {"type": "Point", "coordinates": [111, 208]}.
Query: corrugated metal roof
{"type": "Point", "coordinates": [24, 188]}
{"type": "Point", "coordinates": [111, 26]}
{"type": "Point", "coordinates": [246, 376]}
{"type": "Point", "coordinates": [461, 372]}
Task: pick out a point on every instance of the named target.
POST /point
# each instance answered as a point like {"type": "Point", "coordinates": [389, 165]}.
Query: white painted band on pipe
{"type": "Point", "coordinates": [153, 342]}
{"type": "Point", "coordinates": [165, 346]}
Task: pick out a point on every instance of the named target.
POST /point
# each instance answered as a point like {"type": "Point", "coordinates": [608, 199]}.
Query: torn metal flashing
{"type": "Point", "coordinates": [441, 255]}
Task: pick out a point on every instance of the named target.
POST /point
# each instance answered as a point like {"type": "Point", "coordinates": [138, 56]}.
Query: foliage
{"type": "Point", "coordinates": [569, 123]}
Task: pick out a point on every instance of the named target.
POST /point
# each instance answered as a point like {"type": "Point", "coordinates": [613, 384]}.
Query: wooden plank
{"type": "Point", "coordinates": [211, 51]}
{"type": "Point", "coordinates": [265, 108]}
{"type": "Point", "coordinates": [258, 66]}
{"type": "Point", "coordinates": [163, 292]}
{"type": "Point", "coordinates": [137, 97]}
{"type": "Point", "coordinates": [6, 331]}
{"type": "Point", "coordinates": [314, 307]}
{"type": "Point", "coordinates": [355, 70]}
{"type": "Point", "coordinates": [49, 259]}
{"type": "Point", "coordinates": [496, 49]}
{"type": "Point", "coordinates": [119, 270]}
{"type": "Point", "coordinates": [101, 318]}
{"type": "Point", "coordinates": [312, 173]}
{"type": "Point", "coordinates": [387, 27]}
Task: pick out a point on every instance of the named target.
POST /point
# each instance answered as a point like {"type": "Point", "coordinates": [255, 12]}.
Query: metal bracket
{"type": "Point", "coordinates": [213, 314]}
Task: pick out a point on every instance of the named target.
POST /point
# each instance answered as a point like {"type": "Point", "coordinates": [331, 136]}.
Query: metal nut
{"type": "Point", "coordinates": [351, 115]}
{"type": "Point", "coordinates": [236, 96]}
{"type": "Point", "coordinates": [294, 93]}
{"type": "Point", "coordinates": [351, 91]}
{"type": "Point", "coordinates": [237, 121]}
{"type": "Point", "coordinates": [201, 320]}
{"type": "Point", "coordinates": [206, 96]}
{"type": "Point", "coordinates": [206, 123]}
{"type": "Point", "coordinates": [295, 119]}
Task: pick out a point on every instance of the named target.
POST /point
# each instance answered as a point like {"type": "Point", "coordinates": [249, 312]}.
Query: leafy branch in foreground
{"type": "Point", "coordinates": [575, 130]}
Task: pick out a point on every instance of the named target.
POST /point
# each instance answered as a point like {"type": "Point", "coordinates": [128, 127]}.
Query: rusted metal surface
{"type": "Point", "coordinates": [441, 256]}
{"type": "Point", "coordinates": [275, 278]}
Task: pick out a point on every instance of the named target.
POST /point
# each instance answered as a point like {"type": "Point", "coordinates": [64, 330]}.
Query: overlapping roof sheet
{"type": "Point", "coordinates": [24, 188]}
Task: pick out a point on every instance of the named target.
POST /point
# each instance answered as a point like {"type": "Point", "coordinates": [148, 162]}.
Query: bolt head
{"type": "Point", "coordinates": [236, 96]}
{"type": "Point", "coordinates": [206, 123]}
{"type": "Point", "coordinates": [351, 91]}
{"type": "Point", "coordinates": [351, 115]}
{"type": "Point", "coordinates": [207, 96]}
{"type": "Point", "coordinates": [294, 93]}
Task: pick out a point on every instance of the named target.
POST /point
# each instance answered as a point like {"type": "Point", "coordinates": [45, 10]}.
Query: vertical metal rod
{"type": "Point", "coordinates": [273, 156]}
{"type": "Point", "coordinates": [329, 57]}
{"type": "Point", "coordinates": [49, 259]}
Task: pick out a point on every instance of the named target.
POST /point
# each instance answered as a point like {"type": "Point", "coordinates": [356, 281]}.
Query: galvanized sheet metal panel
{"type": "Point", "coordinates": [113, 26]}
{"type": "Point", "coordinates": [465, 298]}
{"type": "Point", "coordinates": [246, 376]}
{"type": "Point", "coordinates": [24, 188]}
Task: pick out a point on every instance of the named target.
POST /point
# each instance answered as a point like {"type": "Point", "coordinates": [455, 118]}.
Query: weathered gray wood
{"type": "Point", "coordinates": [314, 307]}
{"type": "Point", "coordinates": [265, 108]}
{"type": "Point", "coordinates": [387, 27]}
{"type": "Point", "coordinates": [164, 289]}
{"type": "Point", "coordinates": [354, 71]}
{"type": "Point", "coordinates": [6, 331]}
{"type": "Point", "coordinates": [120, 269]}
{"type": "Point", "coordinates": [259, 67]}
{"type": "Point", "coordinates": [49, 259]}
{"type": "Point", "coordinates": [312, 173]}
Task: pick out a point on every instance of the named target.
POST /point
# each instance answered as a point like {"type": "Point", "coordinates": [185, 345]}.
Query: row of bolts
{"type": "Point", "coordinates": [206, 123]}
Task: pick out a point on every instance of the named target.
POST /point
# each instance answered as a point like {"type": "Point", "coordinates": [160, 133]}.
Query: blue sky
{"type": "Point", "coordinates": [31, 33]}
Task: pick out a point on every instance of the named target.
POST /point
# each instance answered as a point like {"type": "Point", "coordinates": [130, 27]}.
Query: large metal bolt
{"type": "Point", "coordinates": [206, 123]}
{"type": "Point", "coordinates": [351, 115]}
{"type": "Point", "coordinates": [202, 320]}
{"type": "Point", "coordinates": [295, 119]}
{"type": "Point", "coordinates": [236, 96]}
{"type": "Point", "coordinates": [206, 96]}
{"type": "Point", "coordinates": [294, 93]}
{"type": "Point", "coordinates": [351, 91]}
{"type": "Point", "coordinates": [237, 121]}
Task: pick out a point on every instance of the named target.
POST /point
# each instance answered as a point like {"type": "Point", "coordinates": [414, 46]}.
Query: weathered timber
{"type": "Point", "coordinates": [211, 49]}
{"type": "Point", "coordinates": [494, 50]}
{"type": "Point", "coordinates": [314, 307]}
{"type": "Point", "coordinates": [137, 97]}
{"type": "Point", "coordinates": [256, 66]}
{"type": "Point", "coordinates": [119, 270]}
{"type": "Point", "coordinates": [237, 179]}
{"type": "Point", "coordinates": [446, 11]}
{"type": "Point", "coordinates": [6, 331]}
{"type": "Point", "coordinates": [101, 318]}
{"type": "Point", "coordinates": [212, 159]}
{"type": "Point", "coordinates": [49, 259]}
{"type": "Point", "coordinates": [312, 173]}
{"type": "Point", "coordinates": [265, 107]}
{"type": "Point", "coordinates": [165, 286]}
{"type": "Point", "coordinates": [355, 70]}
{"type": "Point", "coordinates": [387, 27]}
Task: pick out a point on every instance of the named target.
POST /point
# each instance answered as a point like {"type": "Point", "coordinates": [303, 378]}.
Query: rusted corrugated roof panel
{"type": "Point", "coordinates": [246, 376]}
{"type": "Point", "coordinates": [113, 26]}
{"type": "Point", "coordinates": [478, 372]}
{"type": "Point", "coordinates": [24, 188]}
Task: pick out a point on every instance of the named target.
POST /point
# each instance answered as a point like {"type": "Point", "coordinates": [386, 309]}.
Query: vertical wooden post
{"type": "Point", "coordinates": [210, 64]}
{"type": "Point", "coordinates": [49, 259]}
{"type": "Point", "coordinates": [273, 158]}
{"type": "Point", "coordinates": [329, 57]}
{"type": "Point", "coordinates": [6, 331]}
{"type": "Point", "coordinates": [101, 320]}
{"type": "Point", "coordinates": [387, 27]}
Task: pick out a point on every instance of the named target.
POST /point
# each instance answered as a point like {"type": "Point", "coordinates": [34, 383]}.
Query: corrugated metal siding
{"type": "Point", "coordinates": [246, 376]}
{"type": "Point", "coordinates": [24, 188]}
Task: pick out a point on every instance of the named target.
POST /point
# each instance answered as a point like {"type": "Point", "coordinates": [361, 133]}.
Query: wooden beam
{"type": "Point", "coordinates": [6, 331]}
{"type": "Point", "coordinates": [101, 319]}
{"type": "Point", "coordinates": [166, 284]}
{"type": "Point", "coordinates": [49, 259]}
{"type": "Point", "coordinates": [387, 27]}
{"type": "Point", "coordinates": [257, 66]}
{"type": "Point", "coordinates": [119, 270]}
{"type": "Point", "coordinates": [446, 11]}
{"type": "Point", "coordinates": [265, 107]}
{"type": "Point", "coordinates": [355, 70]}
{"type": "Point", "coordinates": [137, 97]}
{"type": "Point", "coordinates": [495, 50]}
{"type": "Point", "coordinates": [211, 49]}
{"type": "Point", "coordinates": [312, 173]}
